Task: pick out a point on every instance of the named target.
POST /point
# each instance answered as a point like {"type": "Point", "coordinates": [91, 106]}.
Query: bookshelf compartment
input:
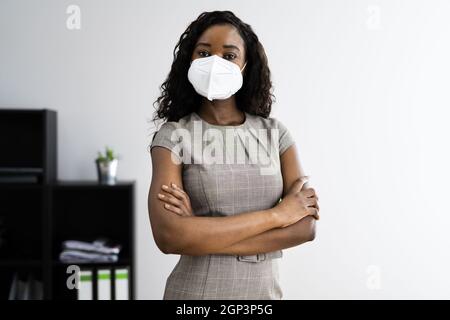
{"type": "Point", "coordinates": [89, 213]}
{"type": "Point", "coordinates": [21, 213]}
{"type": "Point", "coordinates": [21, 135]}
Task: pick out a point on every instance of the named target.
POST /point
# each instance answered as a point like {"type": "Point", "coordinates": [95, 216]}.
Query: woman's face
{"type": "Point", "coordinates": [221, 40]}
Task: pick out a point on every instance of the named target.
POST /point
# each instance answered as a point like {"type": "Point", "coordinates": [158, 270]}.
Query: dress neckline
{"type": "Point", "coordinates": [223, 126]}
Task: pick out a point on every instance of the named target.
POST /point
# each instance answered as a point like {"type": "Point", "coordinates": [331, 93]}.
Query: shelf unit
{"type": "Point", "coordinates": [85, 210]}
{"type": "Point", "coordinates": [37, 217]}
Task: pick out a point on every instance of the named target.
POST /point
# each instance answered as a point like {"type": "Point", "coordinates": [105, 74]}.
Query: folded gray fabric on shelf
{"type": "Point", "coordinates": [76, 256]}
{"type": "Point", "coordinates": [102, 246]}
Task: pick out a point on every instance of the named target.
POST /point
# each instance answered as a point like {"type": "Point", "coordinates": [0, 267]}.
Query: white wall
{"type": "Point", "coordinates": [360, 84]}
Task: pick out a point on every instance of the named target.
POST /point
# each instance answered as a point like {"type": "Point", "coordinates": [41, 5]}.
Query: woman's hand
{"type": "Point", "coordinates": [297, 204]}
{"type": "Point", "coordinates": [175, 200]}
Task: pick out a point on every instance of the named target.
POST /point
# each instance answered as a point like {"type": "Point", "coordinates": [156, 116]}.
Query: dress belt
{"type": "Point", "coordinates": [261, 256]}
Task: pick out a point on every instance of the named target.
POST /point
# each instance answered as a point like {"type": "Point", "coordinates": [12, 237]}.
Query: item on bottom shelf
{"type": "Point", "coordinates": [85, 286]}
{"type": "Point", "coordinates": [101, 250]}
{"type": "Point", "coordinates": [121, 279]}
{"type": "Point", "coordinates": [104, 284]}
{"type": "Point", "coordinates": [36, 290]}
{"type": "Point", "coordinates": [31, 289]}
{"type": "Point", "coordinates": [107, 277]}
{"type": "Point", "coordinates": [13, 289]}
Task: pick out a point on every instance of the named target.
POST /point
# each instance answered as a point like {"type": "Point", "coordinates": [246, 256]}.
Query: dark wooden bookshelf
{"type": "Point", "coordinates": [85, 210]}
{"type": "Point", "coordinates": [38, 216]}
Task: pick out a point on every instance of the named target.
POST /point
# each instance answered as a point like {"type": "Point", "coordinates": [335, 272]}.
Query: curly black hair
{"type": "Point", "coordinates": [178, 97]}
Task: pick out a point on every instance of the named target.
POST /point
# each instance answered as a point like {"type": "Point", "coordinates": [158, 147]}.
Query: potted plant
{"type": "Point", "coordinates": [107, 166]}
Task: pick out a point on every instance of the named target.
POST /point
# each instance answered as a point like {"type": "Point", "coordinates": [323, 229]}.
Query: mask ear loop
{"type": "Point", "coordinates": [245, 64]}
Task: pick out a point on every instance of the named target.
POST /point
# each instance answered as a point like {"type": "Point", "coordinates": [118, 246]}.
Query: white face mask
{"type": "Point", "coordinates": [214, 77]}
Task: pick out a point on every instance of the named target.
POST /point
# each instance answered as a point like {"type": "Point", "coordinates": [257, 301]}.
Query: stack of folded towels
{"type": "Point", "coordinates": [98, 251]}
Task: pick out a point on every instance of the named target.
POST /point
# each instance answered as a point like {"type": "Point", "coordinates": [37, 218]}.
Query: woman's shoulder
{"type": "Point", "coordinates": [182, 123]}
{"type": "Point", "coordinates": [273, 124]}
{"type": "Point", "coordinates": [269, 122]}
{"type": "Point", "coordinates": [169, 132]}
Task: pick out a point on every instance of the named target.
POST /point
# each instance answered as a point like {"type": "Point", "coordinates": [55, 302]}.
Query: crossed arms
{"type": "Point", "coordinates": [242, 234]}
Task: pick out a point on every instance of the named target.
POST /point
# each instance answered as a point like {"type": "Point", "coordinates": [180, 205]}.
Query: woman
{"type": "Point", "coordinates": [227, 214]}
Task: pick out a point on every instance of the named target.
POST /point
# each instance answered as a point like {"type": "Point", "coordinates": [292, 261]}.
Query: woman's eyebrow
{"type": "Point", "coordinates": [231, 46]}
{"type": "Point", "coordinates": [227, 46]}
{"type": "Point", "coordinates": [202, 44]}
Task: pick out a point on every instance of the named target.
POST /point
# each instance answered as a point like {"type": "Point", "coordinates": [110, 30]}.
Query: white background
{"type": "Point", "coordinates": [361, 85]}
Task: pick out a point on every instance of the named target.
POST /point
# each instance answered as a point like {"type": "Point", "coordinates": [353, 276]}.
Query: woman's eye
{"type": "Point", "coordinates": [229, 56]}
{"type": "Point", "coordinates": [203, 53]}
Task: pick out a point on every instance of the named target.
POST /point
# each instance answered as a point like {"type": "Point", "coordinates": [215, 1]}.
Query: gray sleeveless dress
{"type": "Point", "coordinates": [227, 170]}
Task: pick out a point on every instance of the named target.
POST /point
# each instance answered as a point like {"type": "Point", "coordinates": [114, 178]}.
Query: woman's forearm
{"type": "Point", "coordinates": [207, 235]}
{"type": "Point", "coordinates": [275, 239]}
